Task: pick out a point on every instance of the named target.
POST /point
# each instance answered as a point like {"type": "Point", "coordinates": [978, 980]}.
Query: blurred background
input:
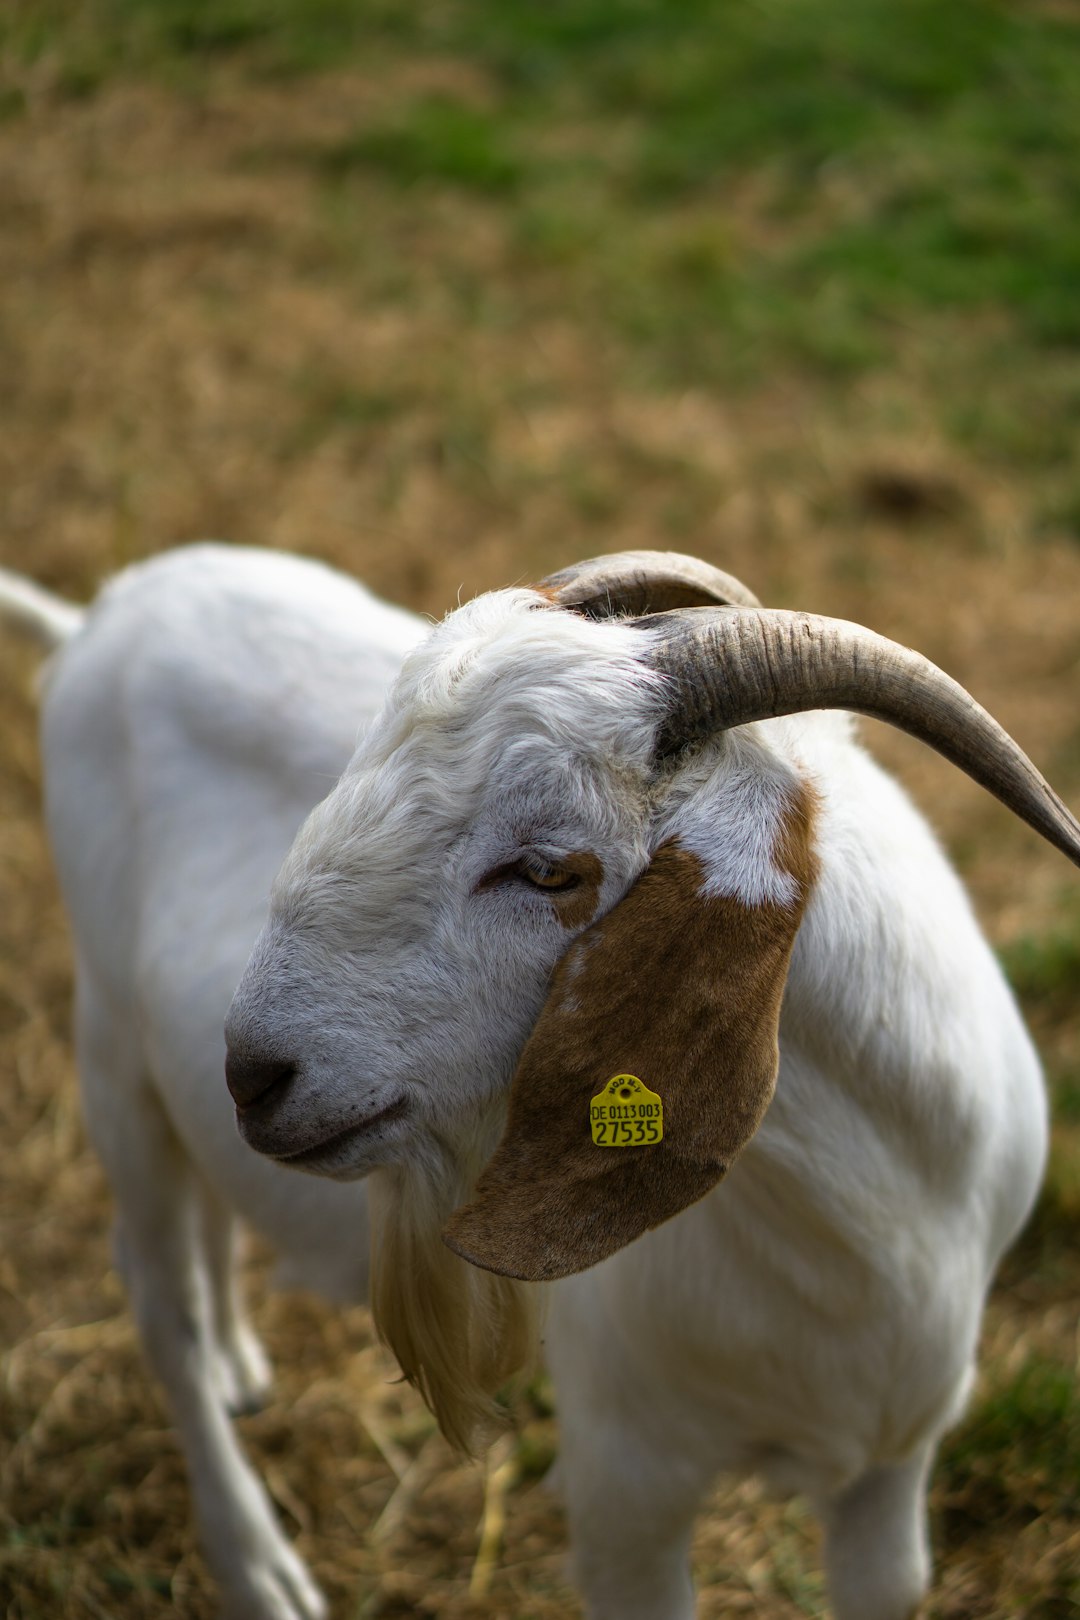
{"type": "Point", "coordinates": [450, 294]}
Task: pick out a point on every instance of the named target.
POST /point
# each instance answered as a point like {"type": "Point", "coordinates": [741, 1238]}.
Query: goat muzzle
{"type": "Point", "coordinates": [250, 1079]}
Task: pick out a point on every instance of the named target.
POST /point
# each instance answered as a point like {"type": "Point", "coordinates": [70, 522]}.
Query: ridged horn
{"type": "Point", "coordinates": [642, 582]}
{"type": "Point", "coordinates": [729, 668]}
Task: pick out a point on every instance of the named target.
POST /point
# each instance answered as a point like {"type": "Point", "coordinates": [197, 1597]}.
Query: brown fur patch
{"type": "Point", "coordinates": [578, 906]}
{"type": "Point", "coordinates": [794, 852]}
{"type": "Point", "coordinates": [682, 990]}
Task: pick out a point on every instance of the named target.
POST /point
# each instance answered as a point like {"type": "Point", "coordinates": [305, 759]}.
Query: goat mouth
{"type": "Point", "coordinates": [332, 1144]}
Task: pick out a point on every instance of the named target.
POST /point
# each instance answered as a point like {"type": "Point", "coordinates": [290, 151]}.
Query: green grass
{"type": "Point", "coordinates": [724, 190]}
{"type": "Point", "coordinates": [909, 155]}
{"type": "Point", "coordinates": [100, 39]}
{"type": "Point", "coordinates": [1018, 1453]}
{"type": "Point", "coordinates": [435, 139]}
{"type": "Point", "coordinates": [1044, 970]}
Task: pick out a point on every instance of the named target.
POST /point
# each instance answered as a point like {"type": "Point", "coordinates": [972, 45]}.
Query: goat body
{"type": "Point", "coordinates": [814, 1320]}
{"type": "Point", "coordinates": [191, 718]}
{"type": "Point", "coordinates": [441, 922]}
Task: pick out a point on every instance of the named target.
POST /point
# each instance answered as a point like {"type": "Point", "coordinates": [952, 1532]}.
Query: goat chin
{"type": "Point", "coordinates": [459, 1334]}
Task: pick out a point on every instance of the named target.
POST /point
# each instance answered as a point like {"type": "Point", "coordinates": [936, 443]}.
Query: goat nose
{"type": "Point", "coordinates": [250, 1078]}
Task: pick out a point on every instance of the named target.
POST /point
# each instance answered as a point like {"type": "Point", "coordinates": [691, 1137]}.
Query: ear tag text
{"type": "Point", "coordinates": [626, 1114]}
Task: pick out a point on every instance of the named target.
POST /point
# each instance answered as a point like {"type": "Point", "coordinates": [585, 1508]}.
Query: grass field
{"type": "Point", "coordinates": [451, 294]}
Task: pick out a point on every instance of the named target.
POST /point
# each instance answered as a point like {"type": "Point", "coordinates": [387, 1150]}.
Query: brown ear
{"type": "Point", "coordinates": [681, 990]}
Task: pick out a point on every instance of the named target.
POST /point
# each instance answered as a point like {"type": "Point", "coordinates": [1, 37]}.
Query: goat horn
{"type": "Point", "coordinates": [640, 582]}
{"type": "Point", "coordinates": [730, 668]}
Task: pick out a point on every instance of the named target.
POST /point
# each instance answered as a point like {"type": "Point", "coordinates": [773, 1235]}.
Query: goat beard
{"type": "Point", "coordinates": [459, 1333]}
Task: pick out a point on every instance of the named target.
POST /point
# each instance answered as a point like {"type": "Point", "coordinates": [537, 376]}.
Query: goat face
{"type": "Point", "coordinates": [507, 802]}
{"type": "Point", "coordinates": [495, 809]}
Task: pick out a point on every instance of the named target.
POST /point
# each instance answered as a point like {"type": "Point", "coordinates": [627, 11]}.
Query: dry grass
{"type": "Point", "coordinates": [198, 337]}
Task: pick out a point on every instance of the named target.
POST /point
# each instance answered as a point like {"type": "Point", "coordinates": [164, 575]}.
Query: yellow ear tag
{"type": "Point", "coordinates": [626, 1114]}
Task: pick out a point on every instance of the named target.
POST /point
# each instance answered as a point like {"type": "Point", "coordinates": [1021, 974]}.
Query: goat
{"type": "Point", "coordinates": [607, 846]}
{"type": "Point", "coordinates": [191, 718]}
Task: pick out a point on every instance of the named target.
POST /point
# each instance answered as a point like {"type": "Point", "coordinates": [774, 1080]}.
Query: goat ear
{"type": "Point", "coordinates": [679, 988]}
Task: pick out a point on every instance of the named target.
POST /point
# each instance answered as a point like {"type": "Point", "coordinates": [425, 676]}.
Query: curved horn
{"type": "Point", "coordinates": [640, 582]}
{"type": "Point", "coordinates": [733, 667]}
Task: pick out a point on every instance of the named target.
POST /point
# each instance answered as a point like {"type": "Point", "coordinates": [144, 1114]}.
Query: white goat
{"type": "Point", "coordinates": [574, 850]}
{"type": "Point", "coordinates": [192, 717]}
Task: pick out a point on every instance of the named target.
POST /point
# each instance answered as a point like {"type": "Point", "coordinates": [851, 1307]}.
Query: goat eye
{"type": "Point", "coordinates": [542, 875]}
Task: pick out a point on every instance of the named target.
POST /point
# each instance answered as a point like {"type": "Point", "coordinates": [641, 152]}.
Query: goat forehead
{"type": "Point", "coordinates": [505, 705]}
{"type": "Point", "coordinates": [508, 663]}
{"type": "Point", "coordinates": [499, 671]}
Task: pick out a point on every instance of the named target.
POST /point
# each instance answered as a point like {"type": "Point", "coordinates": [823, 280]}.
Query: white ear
{"type": "Point", "coordinates": [679, 987]}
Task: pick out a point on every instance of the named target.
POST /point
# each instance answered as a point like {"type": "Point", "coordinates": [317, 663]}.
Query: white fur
{"type": "Point", "coordinates": [210, 697]}
{"type": "Point", "coordinates": [815, 1318]}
